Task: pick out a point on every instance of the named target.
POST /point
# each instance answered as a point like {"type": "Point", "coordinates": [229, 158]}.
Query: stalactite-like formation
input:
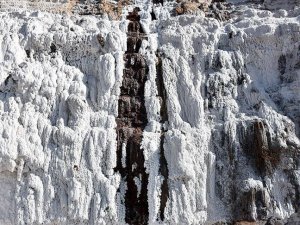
{"type": "Point", "coordinates": [196, 123]}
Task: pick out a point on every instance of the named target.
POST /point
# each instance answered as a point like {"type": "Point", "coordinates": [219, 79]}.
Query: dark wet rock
{"type": "Point", "coordinates": [131, 121]}
{"type": "Point", "coordinates": [258, 145]}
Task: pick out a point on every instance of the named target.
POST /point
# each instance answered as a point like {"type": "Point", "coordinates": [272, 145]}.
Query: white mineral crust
{"type": "Point", "coordinates": [59, 91]}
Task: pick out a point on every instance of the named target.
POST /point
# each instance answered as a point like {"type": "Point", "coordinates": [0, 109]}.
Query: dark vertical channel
{"type": "Point", "coordinates": [163, 169]}
{"type": "Point", "coordinates": [131, 121]}
{"type": "Point", "coordinates": [158, 2]}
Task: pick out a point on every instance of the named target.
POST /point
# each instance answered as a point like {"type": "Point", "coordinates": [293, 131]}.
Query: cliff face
{"type": "Point", "coordinates": [152, 112]}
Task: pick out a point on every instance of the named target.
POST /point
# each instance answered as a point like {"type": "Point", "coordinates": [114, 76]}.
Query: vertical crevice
{"type": "Point", "coordinates": [163, 169]}
{"type": "Point", "coordinates": [158, 2]}
{"type": "Point", "coordinates": [131, 121]}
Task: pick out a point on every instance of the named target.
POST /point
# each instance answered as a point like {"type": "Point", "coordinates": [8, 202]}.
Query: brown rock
{"type": "Point", "coordinates": [259, 146]}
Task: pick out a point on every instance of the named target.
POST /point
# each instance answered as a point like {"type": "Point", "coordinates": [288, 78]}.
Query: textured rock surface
{"type": "Point", "coordinates": [146, 117]}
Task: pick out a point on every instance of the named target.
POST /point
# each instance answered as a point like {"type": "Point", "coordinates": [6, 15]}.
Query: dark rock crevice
{"type": "Point", "coordinates": [131, 121]}
{"type": "Point", "coordinates": [163, 169]}
{"type": "Point", "coordinates": [158, 2]}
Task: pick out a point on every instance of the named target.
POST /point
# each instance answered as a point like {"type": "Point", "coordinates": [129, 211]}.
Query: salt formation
{"type": "Point", "coordinates": [213, 95]}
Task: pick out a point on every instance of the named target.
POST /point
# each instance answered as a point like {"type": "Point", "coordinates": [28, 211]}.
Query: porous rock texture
{"type": "Point", "coordinates": [148, 116]}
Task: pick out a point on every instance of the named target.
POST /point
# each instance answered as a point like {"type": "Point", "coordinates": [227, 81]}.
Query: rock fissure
{"type": "Point", "coordinates": [131, 121]}
{"type": "Point", "coordinates": [163, 169]}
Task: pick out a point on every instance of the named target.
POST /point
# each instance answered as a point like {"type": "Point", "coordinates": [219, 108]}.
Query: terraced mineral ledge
{"type": "Point", "coordinates": [150, 112]}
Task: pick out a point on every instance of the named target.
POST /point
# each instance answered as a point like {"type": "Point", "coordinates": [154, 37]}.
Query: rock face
{"type": "Point", "coordinates": [129, 113]}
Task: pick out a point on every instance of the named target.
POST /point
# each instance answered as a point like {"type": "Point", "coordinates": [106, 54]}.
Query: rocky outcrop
{"type": "Point", "coordinates": [259, 146]}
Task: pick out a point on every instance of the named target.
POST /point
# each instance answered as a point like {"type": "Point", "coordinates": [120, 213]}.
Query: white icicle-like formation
{"type": "Point", "coordinates": [222, 98]}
